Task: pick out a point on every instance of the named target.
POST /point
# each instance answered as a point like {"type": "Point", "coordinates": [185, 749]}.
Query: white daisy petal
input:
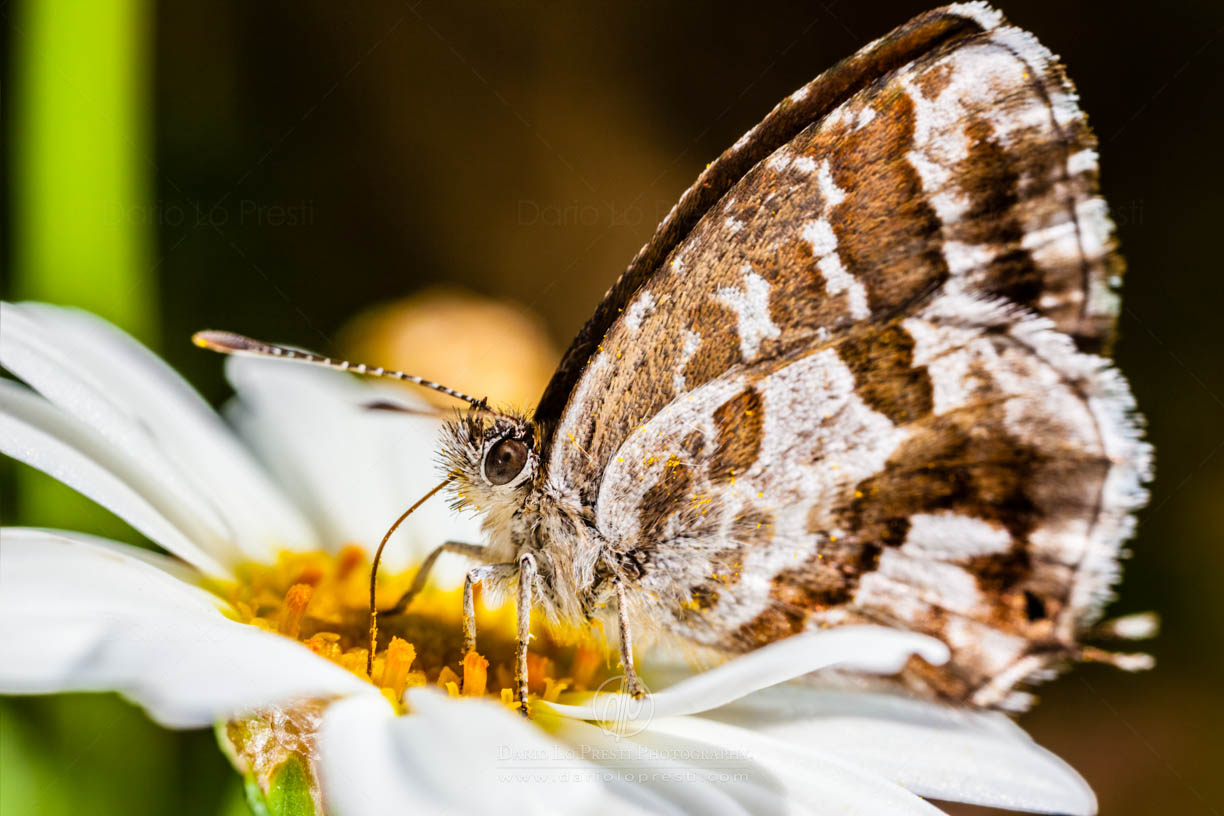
{"type": "Point", "coordinates": [180, 570]}
{"type": "Point", "coordinates": [355, 469]}
{"type": "Point", "coordinates": [34, 431]}
{"type": "Point", "coordinates": [677, 787]}
{"type": "Point", "coordinates": [800, 773]}
{"type": "Point", "coordinates": [935, 751]}
{"type": "Point", "coordinates": [104, 377]}
{"type": "Point", "coordinates": [756, 788]}
{"type": "Point", "coordinates": [75, 616]}
{"type": "Point", "coordinates": [302, 423]}
{"type": "Point", "coordinates": [450, 756]}
{"type": "Point", "coordinates": [77, 392]}
{"type": "Point", "coordinates": [874, 649]}
{"type": "Point", "coordinates": [363, 773]}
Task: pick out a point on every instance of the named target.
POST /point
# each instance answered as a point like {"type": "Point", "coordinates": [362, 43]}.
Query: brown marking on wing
{"type": "Point", "coordinates": [741, 427]}
{"type": "Point", "coordinates": [814, 585]}
{"type": "Point", "coordinates": [799, 305]}
{"type": "Point", "coordinates": [989, 177]}
{"type": "Point", "coordinates": [963, 462]}
{"type": "Point", "coordinates": [720, 346]}
{"type": "Point", "coordinates": [882, 361]}
{"type": "Point", "coordinates": [663, 499]}
{"type": "Point", "coordinates": [751, 530]}
{"type": "Point", "coordinates": [1000, 573]}
{"type": "Point", "coordinates": [1013, 602]}
{"type": "Point", "coordinates": [935, 80]}
{"type": "Point", "coordinates": [888, 235]}
{"type": "Point", "coordinates": [947, 682]}
{"type": "Point", "coordinates": [775, 622]}
{"type": "Point", "coordinates": [821, 581]}
{"type": "Point", "coordinates": [694, 444]}
{"type": "Point", "coordinates": [702, 598]}
{"type": "Point", "coordinates": [966, 462]}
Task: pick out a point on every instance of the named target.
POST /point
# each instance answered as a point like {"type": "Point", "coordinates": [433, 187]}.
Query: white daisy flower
{"type": "Point", "coordinates": [255, 621]}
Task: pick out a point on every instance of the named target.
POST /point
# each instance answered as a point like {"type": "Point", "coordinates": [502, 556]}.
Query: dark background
{"type": "Point", "coordinates": [315, 158]}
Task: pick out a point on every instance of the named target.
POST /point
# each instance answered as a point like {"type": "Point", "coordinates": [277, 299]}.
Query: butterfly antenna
{"type": "Point", "coordinates": [237, 344]}
{"type": "Point", "coordinates": [374, 571]}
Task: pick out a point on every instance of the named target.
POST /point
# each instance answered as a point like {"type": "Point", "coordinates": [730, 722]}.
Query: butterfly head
{"type": "Point", "coordinates": [493, 458]}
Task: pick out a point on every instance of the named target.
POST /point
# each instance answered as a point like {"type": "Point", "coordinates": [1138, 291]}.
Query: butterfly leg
{"type": "Point", "coordinates": [475, 576]}
{"type": "Point", "coordinates": [418, 582]}
{"type": "Point", "coordinates": [633, 683]}
{"type": "Point", "coordinates": [526, 578]}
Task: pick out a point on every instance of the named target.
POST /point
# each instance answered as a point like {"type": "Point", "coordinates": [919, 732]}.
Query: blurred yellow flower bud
{"type": "Point", "coordinates": [478, 345]}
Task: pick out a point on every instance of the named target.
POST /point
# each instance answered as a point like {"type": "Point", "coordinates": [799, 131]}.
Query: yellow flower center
{"type": "Point", "coordinates": [322, 601]}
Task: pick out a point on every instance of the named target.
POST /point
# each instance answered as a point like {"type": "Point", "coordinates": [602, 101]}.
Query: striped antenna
{"type": "Point", "coordinates": [230, 343]}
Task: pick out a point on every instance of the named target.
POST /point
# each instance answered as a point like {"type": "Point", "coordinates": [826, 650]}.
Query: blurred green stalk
{"type": "Point", "coordinates": [82, 158]}
{"type": "Point", "coordinates": [82, 227]}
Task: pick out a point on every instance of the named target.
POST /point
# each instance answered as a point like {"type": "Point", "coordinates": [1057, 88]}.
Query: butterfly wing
{"type": "Point", "coordinates": [856, 374]}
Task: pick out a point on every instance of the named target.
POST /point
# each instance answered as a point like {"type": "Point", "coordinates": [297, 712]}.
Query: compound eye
{"type": "Point", "coordinates": [504, 461]}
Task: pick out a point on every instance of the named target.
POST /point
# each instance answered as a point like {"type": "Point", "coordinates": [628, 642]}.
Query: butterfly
{"type": "Point", "coordinates": [860, 374]}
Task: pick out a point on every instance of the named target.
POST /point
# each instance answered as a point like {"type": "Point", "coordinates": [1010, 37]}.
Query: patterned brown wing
{"type": "Point", "coordinates": [948, 155]}
{"type": "Point", "coordinates": [963, 471]}
{"type": "Point", "coordinates": [855, 376]}
{"type": "Point", "coordinates": [808, 105]}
